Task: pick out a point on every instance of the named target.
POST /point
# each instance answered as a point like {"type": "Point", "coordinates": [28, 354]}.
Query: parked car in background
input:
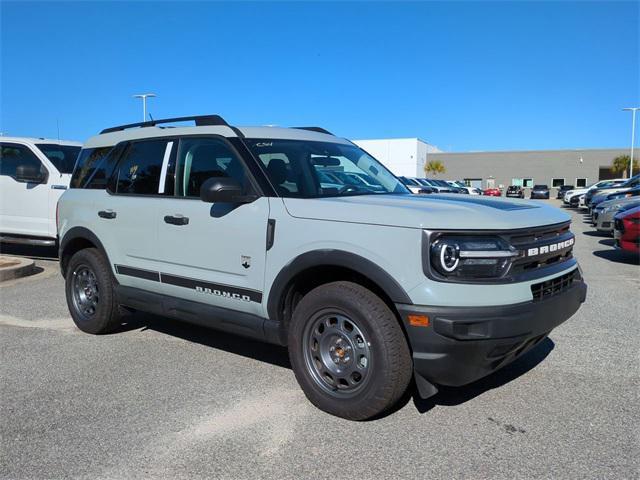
{"type": "Point", "coordinates": [540, 191]}
{"type": "Point", "coordinates": [492, 192]}
{"type": "Point", "coordinates": [602, 215]}
{"type": "Point", "coordinates": [515, 191]}
{"type": "Point", "coordinates": [440, 185]}
{"type": "Point", "coordinates": [34, 172]}
{"type": "Point", "coordinates": [614, 188]}
{"type": "Point", "coordinates": [562, 190]}
{"type": "Point", "coordinates": [464, 188]}
{"type": "Point", "coordinates": [413, 185]}
{"type": "Point", "coordinates": [627, 230]}
{"type": "Point", "coordinates": [579, 191]}
{"type": "Point", "coordinates": [605, 196]}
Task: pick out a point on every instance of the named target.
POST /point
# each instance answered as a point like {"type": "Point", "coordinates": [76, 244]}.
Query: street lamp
{"type": "Point", "coordinates": [144, 96]}
{"type": "Point", "coordinates": [633, 133]}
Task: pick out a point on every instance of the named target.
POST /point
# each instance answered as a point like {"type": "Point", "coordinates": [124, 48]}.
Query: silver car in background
{"type": "Point", "coordinates": [602, 215]}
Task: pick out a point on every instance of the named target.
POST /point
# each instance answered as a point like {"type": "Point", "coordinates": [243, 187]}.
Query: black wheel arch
{"type": "Point", "coordinates": [333, 262]}
{"type": "Point", "coordinates": [76, 239]}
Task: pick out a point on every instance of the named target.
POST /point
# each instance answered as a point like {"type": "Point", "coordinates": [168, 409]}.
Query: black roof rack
{"type": "Point", "coordinates": [315, 129]}
{"type": "Point", "coordinates": [200, 121]}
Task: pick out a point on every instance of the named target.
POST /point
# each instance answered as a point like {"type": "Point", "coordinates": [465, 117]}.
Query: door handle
{"type": "Point", "coordinates": [107, 214]}
{"type": "Point", "coordinates": [176, 220]}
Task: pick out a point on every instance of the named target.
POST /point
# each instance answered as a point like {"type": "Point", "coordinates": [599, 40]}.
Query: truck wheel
{"type": "Point", "coordinates": [90, 293]}
{"type": "Point", "coordinates": [348, 351]}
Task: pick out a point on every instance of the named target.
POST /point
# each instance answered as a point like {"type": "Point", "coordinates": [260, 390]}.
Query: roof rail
{"type": "Point", "coordinates": [200, 120]}
{"type": "Point", "coordinates": [315, 129]}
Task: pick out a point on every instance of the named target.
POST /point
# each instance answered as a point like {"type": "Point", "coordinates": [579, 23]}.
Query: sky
{"type": "Point", "coordinates": [461, 76]}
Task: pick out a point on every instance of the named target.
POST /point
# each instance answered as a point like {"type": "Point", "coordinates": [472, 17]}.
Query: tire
{"type": "Point", "coordinates": [348, 351]}
{"type": "Point", "coordinates": [89, 288]}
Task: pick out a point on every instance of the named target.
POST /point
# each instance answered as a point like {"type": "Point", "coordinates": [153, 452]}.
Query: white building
{"type": "Point", "coordinates": [403, 156]}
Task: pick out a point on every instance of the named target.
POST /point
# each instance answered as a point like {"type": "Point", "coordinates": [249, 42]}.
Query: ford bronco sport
{"type": "Point", "coordinates": [244, 229]}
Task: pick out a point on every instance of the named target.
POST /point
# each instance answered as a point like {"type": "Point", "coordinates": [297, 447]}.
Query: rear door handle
{"type": "Point", "coordinates": [107, 214]}
{"type": "Point", "coordinates": [176, 220]}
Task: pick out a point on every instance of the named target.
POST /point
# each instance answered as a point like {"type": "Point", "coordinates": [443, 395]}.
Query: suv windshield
{"type": "Point", "coordinates": [305, 169]}
{"type": "Point", "coordinates": [63, 157]}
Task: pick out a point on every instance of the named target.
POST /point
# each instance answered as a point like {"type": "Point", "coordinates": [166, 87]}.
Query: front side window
{"type": "Point", "coordinates": [202, 158]}
{"type": "Point", "coordinates": [305, 169]}
{"type": "Point", "coordinates": [138, 171]}
{"type": "Point", "coordinates": [91, 169]}
{"type": "Point", "coordinates": [13, 155]}
{"type": "Point", "coordinates": [63, 157]}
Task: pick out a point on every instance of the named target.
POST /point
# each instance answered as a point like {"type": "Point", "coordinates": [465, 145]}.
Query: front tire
{"type": "Point", "coordinates": [348, 351]}
{"type": "Point", "coordinates": [89, 288]}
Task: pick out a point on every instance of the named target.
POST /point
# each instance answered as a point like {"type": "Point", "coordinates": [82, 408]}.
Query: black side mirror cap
{"type": "Point", "coordinates": [30, 174]}
{"type": "Point", "coordinates": [224, 190]}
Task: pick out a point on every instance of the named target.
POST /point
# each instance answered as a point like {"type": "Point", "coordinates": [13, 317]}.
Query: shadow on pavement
{"type": "Point", "coordinates": [618, 256]}
{"type": "Point", "coordinates": [46, 253]}
{"type": "Point", "coordinates": [278, 356]}
{"type": "Point", "coordinates": [227, 342]}
{"type": "Point", "coordinates": [596, 233]}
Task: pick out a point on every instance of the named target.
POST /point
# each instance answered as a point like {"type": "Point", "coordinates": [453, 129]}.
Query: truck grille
{"type": "Point", "coordinates": [555, 286]}
{"type": "Point", "coordinates": [536, 237]}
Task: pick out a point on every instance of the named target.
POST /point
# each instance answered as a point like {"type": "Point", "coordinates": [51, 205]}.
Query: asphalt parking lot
{"type": "Point", "coordinates": [161, 399]}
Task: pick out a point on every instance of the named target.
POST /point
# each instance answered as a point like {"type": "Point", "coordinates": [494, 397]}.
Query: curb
{"type": "Point", "coordinates": [17, 267]}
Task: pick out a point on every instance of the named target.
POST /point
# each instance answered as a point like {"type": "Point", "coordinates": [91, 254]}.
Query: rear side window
{"type": "Point", "coordinates": [138, 171]}
{"type": "Point", "coordinates": [63, 157]}
{"type": "Point", "coordinates": [13, 155]}
{"type": "Point", "coordinates": [90, 168]}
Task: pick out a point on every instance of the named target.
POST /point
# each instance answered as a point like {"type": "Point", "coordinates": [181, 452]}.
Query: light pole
{"type": "Point", "coordinates": [633, 135]}
{"type": "Point", "coordinates": [144, 96]}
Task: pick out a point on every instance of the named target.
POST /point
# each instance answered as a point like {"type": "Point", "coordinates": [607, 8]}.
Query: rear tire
{"type": "Point", "coordinates": [90, 292]}
{"type": "Point", "coordinates": [348, 351]}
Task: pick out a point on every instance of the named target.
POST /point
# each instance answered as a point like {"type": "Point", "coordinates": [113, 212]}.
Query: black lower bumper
{"type": "Point", "coordinates": [463, 344]}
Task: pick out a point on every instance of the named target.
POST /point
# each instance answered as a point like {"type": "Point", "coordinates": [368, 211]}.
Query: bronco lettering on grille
{"type": "Point", "coordinates": [553, 247]}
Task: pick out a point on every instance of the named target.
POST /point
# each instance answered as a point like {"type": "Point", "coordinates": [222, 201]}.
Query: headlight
{"type": "Point", "coordinates": [471, 257]}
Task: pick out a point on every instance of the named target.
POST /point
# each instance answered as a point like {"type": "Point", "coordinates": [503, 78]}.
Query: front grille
{"type": "Point", "coordinates": [606, 224]}
{"type": "Point", "coordinates": [537, 237]}
{"type": "Point", "coordinates": [555, 286]}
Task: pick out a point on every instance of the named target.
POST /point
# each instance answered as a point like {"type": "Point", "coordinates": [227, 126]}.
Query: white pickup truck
{"type": "Point", "coordinates": [34, 173]}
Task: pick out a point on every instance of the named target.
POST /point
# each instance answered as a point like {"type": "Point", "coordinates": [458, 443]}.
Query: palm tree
{"type": "Point", "coordinates": [435, 167]}
{"type": "Point", "coordinates": [620, 164]}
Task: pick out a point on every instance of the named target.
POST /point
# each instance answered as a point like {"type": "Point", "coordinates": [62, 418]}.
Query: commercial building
{"type": "Point", "coordinates": [578, 167]}
{"type": "Point", "coordinates": [403, 156]}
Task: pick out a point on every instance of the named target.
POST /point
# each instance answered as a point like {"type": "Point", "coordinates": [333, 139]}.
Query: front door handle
{"type": "Point", "coordinates": [176, 220]}
{"type": "Point", "coordinates": [107, 214]}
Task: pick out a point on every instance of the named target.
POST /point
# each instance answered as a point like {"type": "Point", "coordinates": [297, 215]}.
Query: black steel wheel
{"type": "Point", "coordinates": [89, 287]}
{"type": "Point", "coordinates": [348, 351]}
{"type": "Point", "coordinates": [337, 353]}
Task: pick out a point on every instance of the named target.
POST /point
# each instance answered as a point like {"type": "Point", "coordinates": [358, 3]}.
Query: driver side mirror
{"type": "Point", "coordinates": [223, 190]}
{"type": "Point", "coordinates": [30, 174]}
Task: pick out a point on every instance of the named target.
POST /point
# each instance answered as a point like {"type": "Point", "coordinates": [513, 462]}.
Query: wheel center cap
{"type": "Point", "coordinates": [340, 352]}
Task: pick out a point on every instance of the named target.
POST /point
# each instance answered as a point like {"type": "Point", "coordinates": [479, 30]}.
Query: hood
{"type": "Point", "coordinates": [454, 211]}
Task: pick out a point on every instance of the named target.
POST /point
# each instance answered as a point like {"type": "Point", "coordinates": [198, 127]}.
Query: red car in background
{"type": "Point", "coordinates": [626, 230]}
{"type": "Point", "coordinates": [493, 192]}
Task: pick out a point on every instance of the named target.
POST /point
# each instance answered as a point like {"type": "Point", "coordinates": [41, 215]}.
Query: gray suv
{"type": "Point", "coordinates": [246, 229]}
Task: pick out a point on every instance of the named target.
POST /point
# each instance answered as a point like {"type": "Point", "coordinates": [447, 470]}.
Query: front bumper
{"type": "Point", "coordinates": [463, 344]}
